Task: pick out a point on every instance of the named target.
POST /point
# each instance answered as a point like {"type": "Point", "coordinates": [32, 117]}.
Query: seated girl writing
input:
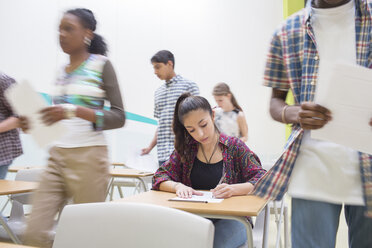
{"type": "Point", "coordinates": [205, 159]}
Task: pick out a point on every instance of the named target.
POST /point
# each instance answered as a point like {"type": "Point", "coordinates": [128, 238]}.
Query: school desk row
{"type": "Point", "coordinates": [233, 208]}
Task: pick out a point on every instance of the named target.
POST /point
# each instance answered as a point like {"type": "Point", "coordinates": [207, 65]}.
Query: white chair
{"type": "Point", "coordinates": [137, 185]}
{"type": "Point", "coordinates": [139, 162]}
{"type": "Point", "coordinates": [262, 222]}
{"type": "Point", "coordinates": [17, 218]}
{"type": "Point", "coordinates": [260, 229]}
{"type": "Point", "coordinates": [114, 225]}
{"type": "Point", "coordinates": [280, 211]}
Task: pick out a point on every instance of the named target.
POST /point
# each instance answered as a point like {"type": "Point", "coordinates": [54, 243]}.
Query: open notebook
{"type": "Point", "coordinates": [207, 197]}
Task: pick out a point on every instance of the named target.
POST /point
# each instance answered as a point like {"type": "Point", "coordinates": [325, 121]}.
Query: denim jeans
{"type": "Point", "coordinates": [3, 171]}
{"type": "Point", "coordinates": [315, 224]}
{"type": "Point", "coordinates": [228, 233]}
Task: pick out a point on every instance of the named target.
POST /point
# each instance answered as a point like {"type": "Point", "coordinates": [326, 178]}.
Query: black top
{"type": "Point", "coordinates": [205, 176]}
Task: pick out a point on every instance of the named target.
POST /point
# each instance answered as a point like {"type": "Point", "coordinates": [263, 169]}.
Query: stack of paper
{"type": "Point", "coordinates": [346, 90]}
{"type": "Point", "coordinates": [207, 197]}
{"type": "Point", "coordinates": [27, 102]}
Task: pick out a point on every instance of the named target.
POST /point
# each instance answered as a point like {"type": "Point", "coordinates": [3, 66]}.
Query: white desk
{"type": "Point", "coordinates": [137, 175]}
{"type": "Point", "coordinates": [8, 187]}
{"type": "Point", "coordinates": [9, 245]}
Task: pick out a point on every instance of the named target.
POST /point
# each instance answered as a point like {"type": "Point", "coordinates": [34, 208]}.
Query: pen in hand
{"type": "Point", "coordinates": [219, 182]}
{"type": "Point", "coordinates": [222, 178]}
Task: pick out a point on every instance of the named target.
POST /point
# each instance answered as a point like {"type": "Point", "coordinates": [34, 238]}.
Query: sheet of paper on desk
{"type": "Point", "coordinates": [27, 102]}
{"type": "Point", "coordinates": [207, 197]}
{"type": "Point", "coordinates": [346, 90]}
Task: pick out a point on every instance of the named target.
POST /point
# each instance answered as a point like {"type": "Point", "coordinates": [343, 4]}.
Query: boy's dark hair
{"type": "Point", "coordinates": [163, 56]}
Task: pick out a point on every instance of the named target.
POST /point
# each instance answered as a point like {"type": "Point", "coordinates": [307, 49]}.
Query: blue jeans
{"type": "Point", "coordinates": [3, 171]}
{"type": "Point", "coordinates": [228, 233]}
{"type": "Point", "coordinates": [315, 224]}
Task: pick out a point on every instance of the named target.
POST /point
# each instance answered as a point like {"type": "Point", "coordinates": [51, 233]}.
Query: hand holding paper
{"type": "Point", "coordinates": [313, 116]}
{"type": "Point", "coordinates": [346, 90]}
{"type": "Point", "coordinates": [28, 103]}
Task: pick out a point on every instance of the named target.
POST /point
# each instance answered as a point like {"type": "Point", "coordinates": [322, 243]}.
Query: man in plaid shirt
{"type": "Point", "coordinates": [320, 176]}
{"type": "Point", "coordinates": [10, 144]}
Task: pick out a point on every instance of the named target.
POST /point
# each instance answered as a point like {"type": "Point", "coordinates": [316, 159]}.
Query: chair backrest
{"type": "Point", "coordinates": [31, 175]}
{"type": "Point", "coordinates": [17, 218]}
{"type": "Point", "coordinates": [115, 225]}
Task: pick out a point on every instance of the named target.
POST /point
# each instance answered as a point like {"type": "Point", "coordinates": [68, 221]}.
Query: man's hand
{"type": "Point", "coordinates": [313, 116]}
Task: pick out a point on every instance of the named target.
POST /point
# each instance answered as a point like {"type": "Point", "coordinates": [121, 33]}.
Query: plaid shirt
{"type": "Point", "coordinates": [293, 63]}
{"type": "Point", "coordinates": [10, 144]}
{"type": "Point", "coordinates": [166, 97]}
{"type": "Point", "coordinates": [239, 163]}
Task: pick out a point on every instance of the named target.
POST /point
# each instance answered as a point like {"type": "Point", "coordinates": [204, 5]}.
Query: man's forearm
{"type": "Point", "coordinates": [280, 111]}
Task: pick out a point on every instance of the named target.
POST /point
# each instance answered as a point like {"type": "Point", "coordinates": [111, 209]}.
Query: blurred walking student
{"type": "Point", "coordinates": [165, 100]}
{"type": "Point", "coordinates": [229, 117]}
{"type": "Point", "coordinates": [78, 165]}
{"type": "Point", "coordinates": [322, 177]}
{"type": "Point", "coordinates": [205, 159]}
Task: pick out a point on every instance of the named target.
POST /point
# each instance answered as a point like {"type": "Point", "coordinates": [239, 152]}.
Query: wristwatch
{"type": "Point", "coordinates": [69, 110]}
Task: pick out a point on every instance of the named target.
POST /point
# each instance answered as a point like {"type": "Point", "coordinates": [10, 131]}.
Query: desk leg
{"type": "Point", "coordinates": [243, 220]}
{"type": "Point", "coordinates": [8, 230]}
{"type": "Point", "coordinates": [109, 189]}
{"type": "Point", "coordinates": [265, 242]}
{"type": "Point", "coordinates": [6, 203]}
{"type": "Point", "coordinates": [143, 183]}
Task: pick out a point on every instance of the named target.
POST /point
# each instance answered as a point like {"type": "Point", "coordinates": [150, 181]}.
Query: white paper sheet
{"type": "Point", "coordinates": [346, 90]}
{"type": "Point", "coordinates": [207, 197]}
{"type": "Point", "coordinates": [27, 102]}
{"type": "Point", "coordinates": [147, 162]}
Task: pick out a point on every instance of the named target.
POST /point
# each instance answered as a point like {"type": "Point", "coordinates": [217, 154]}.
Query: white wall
{"type": "Point", "coordinates": [213, 41]}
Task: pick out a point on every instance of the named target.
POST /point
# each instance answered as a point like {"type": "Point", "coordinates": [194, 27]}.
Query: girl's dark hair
{"type": "Point", "coordinates": [185, 104]}
{"type": "Point", "coordinates": [87, 19]}
{"type": "Point", "coordinates": [222, 89]}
